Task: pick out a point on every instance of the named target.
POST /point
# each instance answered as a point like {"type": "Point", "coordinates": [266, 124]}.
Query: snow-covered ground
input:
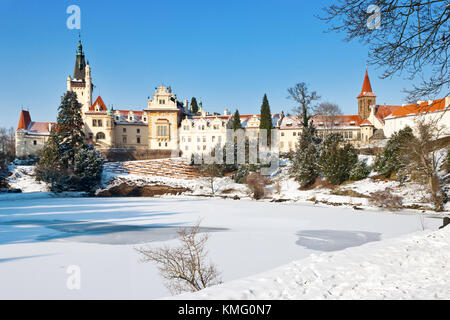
{"type": "Point", "coordinates": [41, 238]}
{"type": "Point", "coordinates": [23, 178]}
{"type": "Point", "coordinates": [409, 267]}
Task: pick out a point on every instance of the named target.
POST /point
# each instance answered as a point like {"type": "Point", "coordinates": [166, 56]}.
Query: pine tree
{"type": "Point", "coordinates": [194, 105]}
{"type": "Point", "coordinates": [237, 121]}
{"type": "Point", "coordinates": [66, 162]}
{"type": "Point", "coordinates": [390, 161]}
{"type": "Point", "coordinates": [335, 162]}
{"type": "Point", "coordinates": [50, 167]}
{"type": "Point", "coordinates": [359, 171]}
{"type": "Point", "coordinates": [69, 128]}
{"type": "Point", "coordinates": [304, 163]}
{"type": "Point", "coordinates": [88, 167]}
{"type": "Point", "coordinates": [266, 117]}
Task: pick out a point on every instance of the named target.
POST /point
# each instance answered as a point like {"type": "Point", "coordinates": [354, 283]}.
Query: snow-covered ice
{"type": "Point", "coordinates": [409, 267]}
{"type": "Point", "coordinates": [41, 238]}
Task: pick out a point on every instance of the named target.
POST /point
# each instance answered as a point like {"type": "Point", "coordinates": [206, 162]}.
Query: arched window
{"type": "Point", "coordinates": [100, 136]}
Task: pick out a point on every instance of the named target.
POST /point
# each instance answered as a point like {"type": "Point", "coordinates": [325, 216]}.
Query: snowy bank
{"type": "Point", "coordinates": [410, 267]}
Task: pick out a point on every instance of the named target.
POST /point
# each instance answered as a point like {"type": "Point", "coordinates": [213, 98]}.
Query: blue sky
{"type": "Point", "coordinates": [227, 53]}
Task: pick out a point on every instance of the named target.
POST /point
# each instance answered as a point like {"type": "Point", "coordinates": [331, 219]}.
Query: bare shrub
{"type": "Point", "coordinates": [278, 187]}
{"type": "Point", "coordinates": [256, 182]}
{"type": "Point", "coordinates": [386, 199]}
{"type": "Point", "coordinates": [185, 268]}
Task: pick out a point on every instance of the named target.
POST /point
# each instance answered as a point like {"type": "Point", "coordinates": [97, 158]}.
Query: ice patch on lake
{"type": "Point", "coordinates": [334, 240]}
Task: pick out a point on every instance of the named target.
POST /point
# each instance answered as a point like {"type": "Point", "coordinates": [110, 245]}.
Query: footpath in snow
{"type": "Point", "coordinates": [410, 267]}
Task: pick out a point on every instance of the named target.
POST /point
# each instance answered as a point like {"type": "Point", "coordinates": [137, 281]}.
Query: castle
{"type": "Point", "coordinates": [168, 124]}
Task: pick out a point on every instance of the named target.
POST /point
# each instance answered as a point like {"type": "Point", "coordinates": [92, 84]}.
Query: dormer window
{"type": "Point", "coordinates": [352, 123]}
{"type": "Point", "coordinates": [162, 101]}
{"type": "Point", "coordinates": [117, 118]}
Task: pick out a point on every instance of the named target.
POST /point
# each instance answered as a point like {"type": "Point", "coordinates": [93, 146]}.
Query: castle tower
{"type": "Point", "coordinates": [81, 83]}
{"type": "Point", "coordinates": [366, 98]}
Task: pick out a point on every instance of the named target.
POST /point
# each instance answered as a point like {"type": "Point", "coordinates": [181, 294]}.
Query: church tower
{"type": "Point", "coordinates": [81, 83]}
{"type": "Point", "coordinates": [366, 98]}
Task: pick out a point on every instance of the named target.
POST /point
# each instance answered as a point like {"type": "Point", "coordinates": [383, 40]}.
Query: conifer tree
{"type": "Point", "coordinates": [390, 162]}
{"type": "Point", "coordinates": [266, 117]}
{"type": "Point", "coordinates": [304, 163]}
{"type": "Point", "coordinates": [336, 162]}
{"type": "Point", "coordinates": [69, 128]}
{"type": "Point", "coordinates": [237, 121]}
{"type": "Point", "coordinates": [88, 167]}
{"type": "Point", "coordinates": [194, 105]}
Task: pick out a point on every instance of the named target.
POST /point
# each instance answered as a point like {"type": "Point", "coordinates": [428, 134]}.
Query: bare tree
{"type": "Point", "coordinates": [211, 171]}
{"type": "Point", "coordinates": [328, 112]}
{"type": "Point", "coordinates": [300, 94]}
{"type": "Point", "coordinates": [185, 268]}
{"type": "Point", "coordinates": [410, 36]}
{"type": "Point", "coordinates": [422, 158]}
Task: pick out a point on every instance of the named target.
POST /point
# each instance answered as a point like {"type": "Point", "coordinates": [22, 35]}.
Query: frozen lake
{"type": "Point", "coordinates": [41, 238]}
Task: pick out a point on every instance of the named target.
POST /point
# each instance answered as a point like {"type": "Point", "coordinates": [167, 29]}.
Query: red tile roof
{"type": "Point", "coordinates": [342, 120]}
{"type": "Point", "coordinates": [385, 110]}
{"type": "Point", "coordinates": [423, 107]}
{"type": "Point", "coordinates": [24, 121]}
{"type": "Point", "coordinates": [366, 90]}
{"type": "Point", "coordinates": [100, 103]}
{"type": "Point", "coordinates": [366, 123]}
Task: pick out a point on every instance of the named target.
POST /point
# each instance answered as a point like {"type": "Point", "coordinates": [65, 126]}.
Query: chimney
{"type": "Point", "coordinates": [226, 112]}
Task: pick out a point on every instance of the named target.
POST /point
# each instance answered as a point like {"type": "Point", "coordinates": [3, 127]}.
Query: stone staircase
{"type": "Point", "coordinates": [176, 168]}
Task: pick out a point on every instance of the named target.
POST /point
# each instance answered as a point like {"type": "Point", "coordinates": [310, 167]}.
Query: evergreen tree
{"type": "Point", "coordinates": [335, 162]}
{"type": "Point", "coordinates": [194, 105]}
{"type": "Point", "coordinates": [237, 121]}
{"type": "Point", "coordinates": [390, 162]}
{"type": "Point", "coordinates": [88, 167]}
{"type": "Point", "coordinates": [266, 115]}
{"type": "Point", "coordinates": [359, 171]}
{"type": "Point", "coordinates": [304, 163]}
{"type": "Point", "coordinates": [69, 128]}
{"type": "Point", "coordinates": [66, 162]}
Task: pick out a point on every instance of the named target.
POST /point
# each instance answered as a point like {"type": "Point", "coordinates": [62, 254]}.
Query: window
{"type": "Point", "coordinates": [138, 130]}
{"type": "Point", "coordinates": [162, 101]}
{"type": "Point", "coordinates": [124, 130]}
{"type": "Point", "coordinates": [204, 147]}
{"type": "Point", "coordinates": [124, 139]}
{"type": "Point", "coordinates": [198, 139]}
{"type": "Point", "coordinates": [166, 144]}
{"type": "Point", "coordinates": [186, 148]}
{"type": "Point", "coordinates": [282, 134]}
{"type": "Point", "coordinates": [183, 139]}
{"type": "Point", "coordinates": [117, 118]}
{"type": "Point", "coordinates": [138, 140]}
{"type": "Point", "coordinates": [204, 139]}
{"type": "Point", "coordinates": [159, 144]}
{"type": "Point", "coordinates": [100, 136]}
{"type": "Point", "coordinates": [91, 135]}
{"type": "Point", "coordinates": [99, 123]}
{"type": "Point", "coordinates": [94, 122]}
{"type": "Point", "coordinates": [145, 119]}
{"type": "Point", "coordinates": [213, 138]}
{"type": "Point", "coordinates": [35, 142]}
{"type": "Point", "coordinates": [163, 131]}
{"type": "Point", "coordinates": [294, 134]}
{"type": "Point", "coordinates": [216, 127]}
{"type": "Point", "coordinates": [189, 139]}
